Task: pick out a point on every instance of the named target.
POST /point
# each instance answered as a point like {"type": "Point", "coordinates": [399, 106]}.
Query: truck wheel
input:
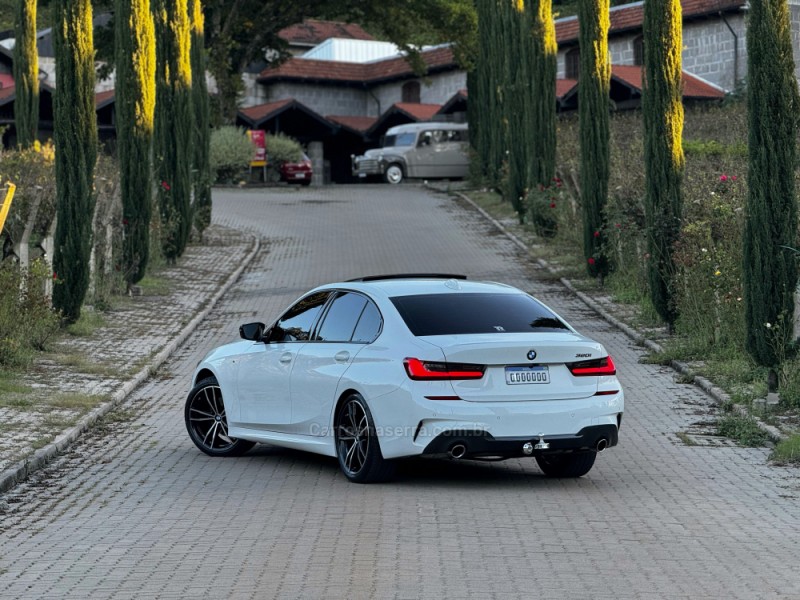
{"type": "Point", "coordinates": [393, 174]}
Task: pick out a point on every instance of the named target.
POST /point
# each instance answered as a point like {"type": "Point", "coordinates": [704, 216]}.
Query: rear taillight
{"type": "Point", "coordinates": [586, 368]}
{"type": "Point", "coordinates": [427, 371]}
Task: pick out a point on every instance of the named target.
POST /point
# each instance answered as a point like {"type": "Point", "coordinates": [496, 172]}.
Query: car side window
{"type": "Point", "coordinates": [296, 323]}
{"type": "Point", "coordinates": [369, 325]}
{"type": "Point", "coordinates": [341, 318]}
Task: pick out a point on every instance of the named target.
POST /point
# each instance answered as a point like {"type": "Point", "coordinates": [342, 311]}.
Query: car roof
{"type": "Point", "coordinates": [415, 286]}
{"type": "Point", "coordinates": [414, 127]}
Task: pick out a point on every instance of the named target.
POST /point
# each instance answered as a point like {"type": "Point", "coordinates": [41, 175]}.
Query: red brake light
{"type": "Point", "coordinates": [600, 366]}
{"type": "Point", "coordinates": [427, 371]}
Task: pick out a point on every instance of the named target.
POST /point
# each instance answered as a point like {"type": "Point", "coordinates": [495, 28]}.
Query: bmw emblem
{"type": "Point", "coordinates": [531, 354]}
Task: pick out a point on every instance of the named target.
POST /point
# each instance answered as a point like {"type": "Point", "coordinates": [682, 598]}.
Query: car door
{"type": "Point", "coordinates": [321, 363]}
{"type": "Point", "coordinates": [264, 377]}
{"type": "Point", "coordinates": [422, 161]}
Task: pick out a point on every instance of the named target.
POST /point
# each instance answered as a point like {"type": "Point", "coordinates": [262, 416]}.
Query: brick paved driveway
{"type": "Point", "coordinates": [135, 511]}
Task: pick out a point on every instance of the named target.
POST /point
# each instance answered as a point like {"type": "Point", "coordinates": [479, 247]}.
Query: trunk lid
{"type": "Point", "coordinates": [504, 353]}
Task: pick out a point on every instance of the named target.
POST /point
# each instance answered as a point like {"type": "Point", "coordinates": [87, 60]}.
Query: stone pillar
{"type": "Point", "coordinates": [317, 163]}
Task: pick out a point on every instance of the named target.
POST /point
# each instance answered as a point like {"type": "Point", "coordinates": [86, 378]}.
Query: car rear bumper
{"type": "Point", "coordinates": [409, 425]}
{"type": "Point", "coordinates": [477, 444]}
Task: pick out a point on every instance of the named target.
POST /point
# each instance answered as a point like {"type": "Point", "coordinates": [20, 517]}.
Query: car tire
{"type": "Point", "coordinates": [576, 464]}
{"type": "Point", "coordinates": [357, 447]}
{"type": "Point", "coordinates": [204, 414]}
{"type": "Point", "coordinates": [394, 174]}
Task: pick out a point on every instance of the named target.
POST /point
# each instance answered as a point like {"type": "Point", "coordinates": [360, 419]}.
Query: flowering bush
{"type": "Point", "coordinates": [230, 153]}
{"type": "Point", "coordinates": [546, 206]}
{"type": "Point", "coordinates": [708, 261]}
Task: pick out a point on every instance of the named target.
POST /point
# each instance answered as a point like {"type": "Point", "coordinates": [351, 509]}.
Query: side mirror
{"type": "Point", "coordinates": [252, 331]}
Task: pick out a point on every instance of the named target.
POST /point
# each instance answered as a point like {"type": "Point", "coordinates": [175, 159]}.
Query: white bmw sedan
{"type": "Point", "coordinates": [386, 367]}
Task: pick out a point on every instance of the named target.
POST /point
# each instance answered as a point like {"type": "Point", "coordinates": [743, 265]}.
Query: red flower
{"type": "Point", "coordinates": [552, 205]}
{"type": "Point", "coordinates": [723, 177]}
{"type": "Point", "coordinates": [590, 261]}
{"type": "Point", "coordinates": [733, 177]}
{"type": "Point", "coordinates": [617, 225]}
{"type": "Point", "coordinates": [596, 234]}
{"type": "Point", "coordinates": [55, 276]}
{"type": "Point", "coordinates": [165, 185]}
{"type": "Point", "coordinates": [124, 221]}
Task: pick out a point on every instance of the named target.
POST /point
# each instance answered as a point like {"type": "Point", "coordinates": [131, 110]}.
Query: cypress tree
{"type": "Point", "coordinates": [26, 73]}
{"type": "Point", "coordinates": [663, 150]}
{"type": "Point", "coordinates": [76, 153]}
{"type": "Point", "coordinates": [541, 129]}
{"type": "Point", "coordinates": [135, 102]}
{"type": "Point", "coordinates": [543, 68]}
{"type": "Point", "coordinates": [173, 124]}
{"type": "Point", "coordinates": [517, 117]}
{"type": "Point", "coordinates": [769, 267]}
{"type": "Point", "coordinates": [202, 117]}
{"type": "Point", "coordinates": [593, 99]}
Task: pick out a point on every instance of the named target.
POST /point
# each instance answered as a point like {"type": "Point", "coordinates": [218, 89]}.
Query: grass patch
{"type": "Point", "coordinates": [9, 385]}
{"type": "Point", "coordinates": [153, 285]}
{"type": "Point", "coordinates": [81, 363]}
{"type": "Point", "coordinates": [685, 438]}
{"type": "Point", "coordinates": [41, 442]}
{"type": "Point", "coordinates": [787, 451]}
{"type": "Point", "coordinates": [744, 430]}
{"type": "Point", "coordinates": [76, 401]}
{"type": "Point", "coordinates": [89, 321]}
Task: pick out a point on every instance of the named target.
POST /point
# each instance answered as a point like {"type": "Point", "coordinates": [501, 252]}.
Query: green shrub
{"type": "Point", "coordinates": [281, 148]}
{"type": "Point", "coordinates": [27, 322]}
{"type": "Point", "coordinates": [231, 152]}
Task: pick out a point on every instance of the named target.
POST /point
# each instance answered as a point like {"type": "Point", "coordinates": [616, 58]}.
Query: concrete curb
{"type": "Point", "coordinates": [716, 393]}
{"type": "Point", "coordinates": [17, 473]}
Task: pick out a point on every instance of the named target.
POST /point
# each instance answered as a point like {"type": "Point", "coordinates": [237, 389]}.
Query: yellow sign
{"type": "Point", "coordinates": [6, 205]}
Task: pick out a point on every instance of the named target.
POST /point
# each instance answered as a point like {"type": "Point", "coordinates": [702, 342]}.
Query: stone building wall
{"type": "Point", "coordinates": [709, 48]}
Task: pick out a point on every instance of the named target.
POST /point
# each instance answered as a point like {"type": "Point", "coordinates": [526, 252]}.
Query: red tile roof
{"type": "Point", "coordinates": [263, 111]}
{"type": "Point", "coordinates": [312, 32]}
{"type": "Point", "coordinates": [630, 16]}
{"type": "Point", "coordinates": [103, 98]}
{"type": "Point", "coordinates": [359, 124]}
{"type": "Point", "coordinates": [6, 93]}
{"type": "Point", "coordinates": [693, 87]}
{"type": "Point", "coordinates": [565, 86]}
{"type": "Point", "coordinates": [305, 69]}
{"type": "Point", "coordinates": [418, 112]}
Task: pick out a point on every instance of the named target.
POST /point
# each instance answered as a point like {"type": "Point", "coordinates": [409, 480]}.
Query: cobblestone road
{"type": "Point", "coordinates": [135, 511]}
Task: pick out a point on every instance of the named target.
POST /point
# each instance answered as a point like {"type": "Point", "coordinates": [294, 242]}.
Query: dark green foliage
{"type": "Point", "coordinates": [517, 101]}
{"type": "Point", "coordinates": [663, 153]}
{"type": "Point", "coordinates": [135, 101]}
{"type": "Point", "coordinates": [26, 73]}
{"type": "Point", "coordinates": [173, 139]}
{"type": "Point", "coordinates": [595, 78]}
{"type": "Point", "coordinates": [202, 126]}
{"type": "Point", "coordinates": [486, 116]}
{"type": "Point", "coordinates": [542, 133]}
{"type": "Point", "coordinates": [769, 265]}
{"type": "Point", "coordinates": [76, 153]}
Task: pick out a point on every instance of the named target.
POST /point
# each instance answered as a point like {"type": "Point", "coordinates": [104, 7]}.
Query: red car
{"type": "Point", "coordinates": [297, 172]}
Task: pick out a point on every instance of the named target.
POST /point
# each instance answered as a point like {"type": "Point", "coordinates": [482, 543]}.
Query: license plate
{"type": "Point", "coordinates": [362, 174]}
{"type": "Point", "coordinates": [299, 175]}
{"type": "Point", "coordinates": [526, 375]}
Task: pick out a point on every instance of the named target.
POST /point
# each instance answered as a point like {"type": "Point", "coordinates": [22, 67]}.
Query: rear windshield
{"type": "Point", "coordinates": [452, 314]}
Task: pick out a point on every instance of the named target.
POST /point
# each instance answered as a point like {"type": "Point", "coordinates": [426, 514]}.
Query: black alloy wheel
{"type": "Point", "coordinates": [206, 422]}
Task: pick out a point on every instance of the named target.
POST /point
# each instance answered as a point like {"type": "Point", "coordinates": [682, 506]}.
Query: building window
{"type": "Point", "coordinates": [638, 50]}
{"type": "Point", "coordinates": [572, 66]}
{"type": "Point", "coordinates": [411, 92]}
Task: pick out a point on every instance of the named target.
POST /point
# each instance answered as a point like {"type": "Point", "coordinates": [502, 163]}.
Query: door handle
{"type": "Point", "coordinates": [342, 356]}
{"type": "Point", "coordinates": [286, 357]}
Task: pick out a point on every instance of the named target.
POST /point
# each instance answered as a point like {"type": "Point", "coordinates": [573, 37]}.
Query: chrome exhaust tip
{"type": "Point", "coordinates": [602, 444]}
{"type": "Point", "coordinates": [458, 451]}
